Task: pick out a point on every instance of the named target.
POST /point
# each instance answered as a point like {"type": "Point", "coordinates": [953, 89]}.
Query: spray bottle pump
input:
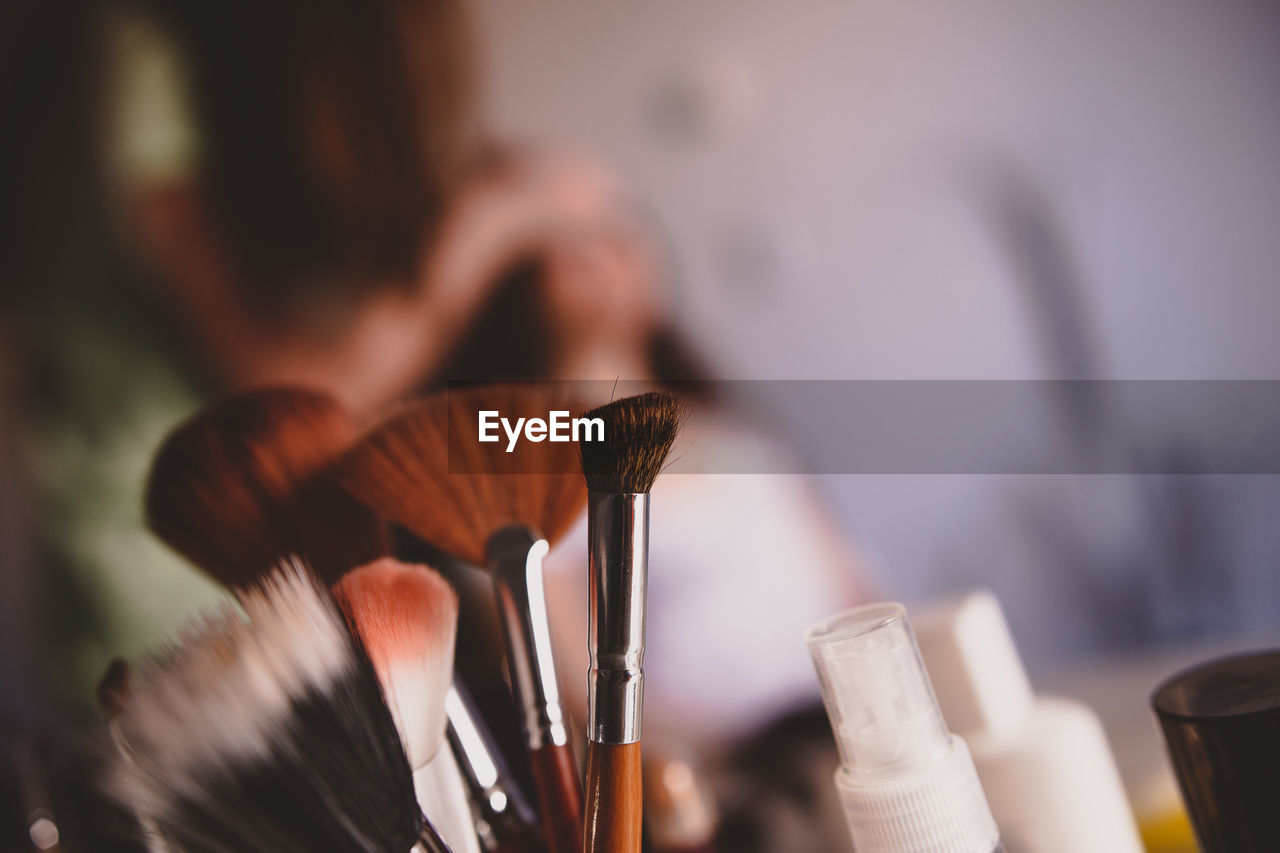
{"type": "Point", "coordinates": [906, 783]}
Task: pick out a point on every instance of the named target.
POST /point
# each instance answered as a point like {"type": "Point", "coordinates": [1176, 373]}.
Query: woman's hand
{"type": "Point", "coordinates": [519, 206]}
{"type": "Point", "coordinates": [597, 281]}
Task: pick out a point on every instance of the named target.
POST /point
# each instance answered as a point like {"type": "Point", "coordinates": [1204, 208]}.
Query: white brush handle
{"type": "Point", "coordinates": [151, 838]}
{"type": "Point", "coordinates": [429, 840]}
{"type": "Point", "coordinates": [442, 795]}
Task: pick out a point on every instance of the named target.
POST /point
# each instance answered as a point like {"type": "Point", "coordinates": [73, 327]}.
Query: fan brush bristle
{"type": "Point", "coordinates": [639, 432]}
{"type": "Point", "coordinates": [267, 734]}
{"type": "Point", "coordinates": [425, 469]}
{"type": "Point", "coordinates": [243, 483]}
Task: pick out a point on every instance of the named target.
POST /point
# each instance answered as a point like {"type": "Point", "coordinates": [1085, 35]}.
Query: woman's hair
{"type": "Point", "coordinates": [329, 132]}
{"type": "Point", "coordinates": [512, 340]}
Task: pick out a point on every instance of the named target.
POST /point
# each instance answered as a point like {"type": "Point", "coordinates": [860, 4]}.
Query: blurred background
{"type": "Point", "coordinates": [378, 198]}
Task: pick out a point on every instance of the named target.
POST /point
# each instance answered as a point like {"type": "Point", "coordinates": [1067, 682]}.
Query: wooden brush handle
{"type": "Point", "coordinates": [560, 796]}
{"type": "Point", "coordinates": [613, 798]}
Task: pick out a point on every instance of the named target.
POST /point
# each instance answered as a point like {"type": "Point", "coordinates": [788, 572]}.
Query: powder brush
{"type": "Point", "coordinates": [406, 615]}
{"type": "Point", "coordinates": [425, 469]}
{"type": "Point", "coordinates": [407, 618]}
{"type": "Point", "coordinates": [268, 732]}
{"type": "Point", "coordinates": [620, 471]}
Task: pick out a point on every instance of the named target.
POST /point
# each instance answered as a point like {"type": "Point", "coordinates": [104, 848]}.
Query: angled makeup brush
{"type": "Point", "coordinates": [620, 471]}
{"type": "Point", "coordinates": [268, 733]}
{"type": "Point", "coordinates": [242, 483]}
{"type": "Point", "coordinates": [500, 510]}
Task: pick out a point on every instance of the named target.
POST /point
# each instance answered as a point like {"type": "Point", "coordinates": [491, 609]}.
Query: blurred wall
{"type": "Point", "coordinates": [830, 175]}
{"type": "Point", "coordinates": [851, 138]}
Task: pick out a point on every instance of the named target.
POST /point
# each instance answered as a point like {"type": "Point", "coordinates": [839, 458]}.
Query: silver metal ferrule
{"type": "Point", "coordinates": [515, 554]}
{"type": "Point", "coordinates": [618, 544]}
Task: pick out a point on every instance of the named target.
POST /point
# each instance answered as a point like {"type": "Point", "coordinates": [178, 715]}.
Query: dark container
{"type": "Point", "coordinates": [1221, 724]}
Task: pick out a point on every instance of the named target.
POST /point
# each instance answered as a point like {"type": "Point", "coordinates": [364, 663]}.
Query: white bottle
{"type": "Point", "coordinates": [1045, 763]}
{"type": "Point", "coordinates": [906, 784]}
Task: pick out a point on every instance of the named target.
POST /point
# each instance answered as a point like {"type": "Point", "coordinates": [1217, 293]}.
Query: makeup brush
{"type": "Point", "coordinates": [407, 618]}
{"type": "Point", "coordinates": [620, 471]}
{"type": "Point", "coordinates": [499, 509]}
{"type": "Point", "coordinates": [113, 693]}
{"type": "Point", "coordinates": [268, 733]}
{"type": "Point", "coordinates": [503, 820]}
{"type": "Point", "coordinates": [242, 483]}
{"type": "Point", "coordinates": [245, 483]}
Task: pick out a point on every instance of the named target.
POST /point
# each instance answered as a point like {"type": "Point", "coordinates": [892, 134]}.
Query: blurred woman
{"type": "Point", "coordinates": [344, 223]}
{"type": "Point", "coordinates": [340, 219]}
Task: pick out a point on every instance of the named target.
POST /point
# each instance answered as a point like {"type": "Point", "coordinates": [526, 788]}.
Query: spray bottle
{"type": "Point", "coordinates": [906, 783]}
{"type": "Point", "coordinates": [1044, 762]}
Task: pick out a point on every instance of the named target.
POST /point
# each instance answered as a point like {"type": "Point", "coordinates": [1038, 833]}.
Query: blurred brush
{"type": "Point", "coordinates": [243, 482]}
{"type": "Point", "coordinates": [113, 694]}
{"type": "Point", "coordinates": [680, 812]}
{"type": "Point", "coordinates": [503, 819]}
{"type": "Point", "coordinates": [620, 471]}
{"type": "Point", "coordinates": [500, 510]}
{"type": "Point", "coordinates": [269, 734]}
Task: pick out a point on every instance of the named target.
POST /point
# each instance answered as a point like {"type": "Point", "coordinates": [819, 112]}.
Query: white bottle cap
{"type": "Point", "coordinates": [1045, 764]}
{"type": "Point", "coordinates": [907, 784]}
{"type": "Point", "coordinates": [977, 674]}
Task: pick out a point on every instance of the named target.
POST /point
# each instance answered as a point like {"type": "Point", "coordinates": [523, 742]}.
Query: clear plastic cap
{"type": "Point", "coordinates": [906, 783]}
{"type": "Point", "coordinates": [877, 692]}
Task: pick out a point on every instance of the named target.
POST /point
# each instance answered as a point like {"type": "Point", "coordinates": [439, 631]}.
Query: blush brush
{"type": "Point", "coordinates": [268, 732]}
{"type": "Point", "coordinates": [620, 472]}
{"type": "Point", "coordinates": [425, 469]}
{"type": "Point", "coordinates": [243, 482]}
{"type": "Point", "coordinates": [407, 618]}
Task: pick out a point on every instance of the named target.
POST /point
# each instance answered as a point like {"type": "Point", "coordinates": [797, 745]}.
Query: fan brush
{"type": "Point", "coordinates": [425, 469]}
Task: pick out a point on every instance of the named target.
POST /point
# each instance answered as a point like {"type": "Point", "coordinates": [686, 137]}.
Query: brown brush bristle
{"type": "Point", "coordinates": [243, 483]}
{"type": "Point", "coordinates": [639, 432]}
{"type": "Point", "coordinates": [424, 469]}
